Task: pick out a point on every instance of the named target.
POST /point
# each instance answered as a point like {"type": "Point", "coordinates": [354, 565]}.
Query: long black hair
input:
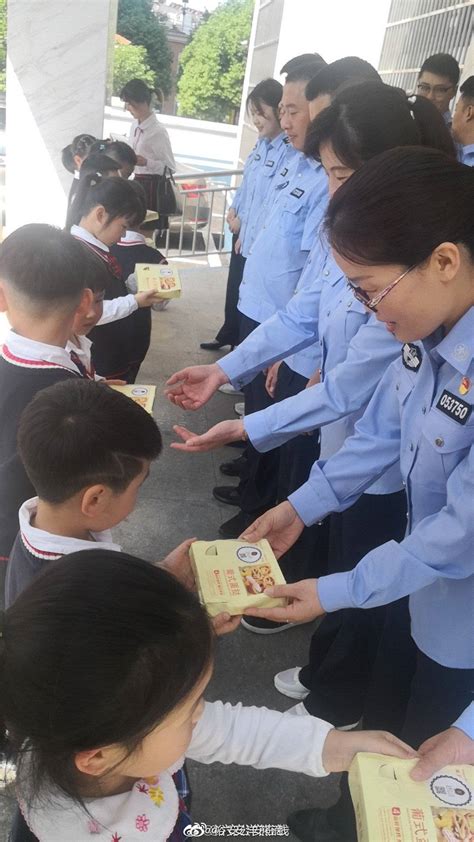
{"type": "Point", "coordinates": [97, 651]}
{"type": "Point", "coordinates": [115, 194]}
{"type": "Point", "coordinates": [398, 207]}
{"type": "Point", "coordinates": [366, 118]}
{"type": "Point", "coordinates": [80, 145]}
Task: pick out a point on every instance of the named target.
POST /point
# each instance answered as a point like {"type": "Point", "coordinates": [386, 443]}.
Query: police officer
{"type": "Point", "coordinates": [402, 231]}
{"type": "Point", "coordinates": [463, 122]}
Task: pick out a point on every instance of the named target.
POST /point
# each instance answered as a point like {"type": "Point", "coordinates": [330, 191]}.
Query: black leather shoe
{"type": "Point", "coordinates": [229, 494]}
{"type": "Point", "coordinates": [313, 826]}
{"type": "Point", "coordinates": [235, 468]}
{"type": "Point", "coordinates": [212, 346]}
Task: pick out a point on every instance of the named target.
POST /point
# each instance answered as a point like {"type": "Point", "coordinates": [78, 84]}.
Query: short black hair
{"type": "Point", "coordinates": [46, 265]}
{"type": "Point", "coordinates": [305, 71]}
{"type": "Point", "coordinates": [78, 433]}
{"type": "Point", "coordinates": [297, 61]}
{"type": "Point", "coordinates": [115, 194]}
{"type": "Point", "coordinates": [467, 88]}
{"type": "Point", "coordinates": [98, 650]}
{"type": "Point", "coordinates": [442, 64]}
{"type": "Point", "coordinates": [331, 77]}
{"type": "Point", "coordinates": [136, 91]}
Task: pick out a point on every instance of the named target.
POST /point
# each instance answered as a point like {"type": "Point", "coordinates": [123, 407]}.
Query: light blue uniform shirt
{"type": "Point", "coordinates": [264, 177]}
{"type": "Point", "coordinates": [279, 251]}
{"type": "Point", "coordinates": [241, 196]}
{"type": "Point", "coordinates": [467, 155]}
{"type": "Point", "coordinates": [466, 721]}
{"type": "Point", "coordinates": [421, 415]}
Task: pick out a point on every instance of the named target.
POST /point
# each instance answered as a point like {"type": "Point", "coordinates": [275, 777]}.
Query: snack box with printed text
{"type": "Point", "coordinates": [144, 395]}
{"type": "Point", "coordinates": [164, 279]}
{"type": "Point", "coordinates": [232, 575]}
{"type": "Point", "coordinates": [390, 807]}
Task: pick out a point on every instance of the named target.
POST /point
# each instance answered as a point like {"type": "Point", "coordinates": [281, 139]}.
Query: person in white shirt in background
{"type": "Point", "coordinates": [147, 136]}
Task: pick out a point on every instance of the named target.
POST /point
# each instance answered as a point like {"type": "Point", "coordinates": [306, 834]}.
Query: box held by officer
{"type": "Point", "coordinates": [390, 807]}
{"type": "Point", "coordinates": [233, 575]}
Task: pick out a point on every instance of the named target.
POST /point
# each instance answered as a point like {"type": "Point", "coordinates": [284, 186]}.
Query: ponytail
{"type": "Point", "coordinates": [368, 118]}
{"type": "Point", "coordinates": [115, 194]}
{"type": "Point", "coordinates": [81, 146]}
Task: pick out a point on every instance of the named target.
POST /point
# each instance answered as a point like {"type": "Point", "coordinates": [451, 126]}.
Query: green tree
{"type": "Point", "coordinates": [213, 63]}
{"type": "Point", "coordinates": [137, 22]}
{"type": "Point", "coordinates": [3, 45]}
{"type": "Point", "coordinates": [130, 62]}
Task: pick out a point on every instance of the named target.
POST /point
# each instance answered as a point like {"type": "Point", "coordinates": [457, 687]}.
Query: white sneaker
{"type": "Point", "coordinates": [239, 408]}
{"type": "Point", "coordinates": [298, 710]}
{"type": "Point", "coordinates": [287, 682]}
{"type": "Point", "coordinates": [228, 389]}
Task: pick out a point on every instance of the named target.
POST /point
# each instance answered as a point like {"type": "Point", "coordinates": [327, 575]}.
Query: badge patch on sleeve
{"type": "Point", "coordinates": [298, 192]}
{"type": "Point", "coordinates": [270, 163]}
{"type": "Point", "coordinates": [411, 356]}
{"type": "Point", "coordinates": [455, 407]}
{"type": "Point", "coordinates": [284, 172]}
{"type": "Point", "coordinates": [257, 157]}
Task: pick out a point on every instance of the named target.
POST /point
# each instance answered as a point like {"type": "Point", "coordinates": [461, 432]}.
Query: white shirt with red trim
{"type": "Point", "coordinates": [46, 545]}
{"type": "Point", "coordinates": [151, 140]}
{"type": "Point", "coordinates": [28, 353]}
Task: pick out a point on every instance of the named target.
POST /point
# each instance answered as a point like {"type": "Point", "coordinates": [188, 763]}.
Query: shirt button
{"type": "Point", "coordinates": [326, 272]}
{"type": "Point", "coordinates": [349, 304]}
{"type": "Point", "coordinates": [423, 409]}
{"type": "Point", "coordinates": [412, 447]}
{"type": "Point", "coordinates": [404, 483]}
{"type": "Point", "coordinates": [397, 387]}
{"type": "Point", "coordinates": [439, 442]}
{"type": "Point", "coordinates": [328, 313]}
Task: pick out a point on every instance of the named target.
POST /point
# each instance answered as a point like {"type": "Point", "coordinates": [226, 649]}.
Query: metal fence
{"type": "Point", "coordinates": [199, 228]}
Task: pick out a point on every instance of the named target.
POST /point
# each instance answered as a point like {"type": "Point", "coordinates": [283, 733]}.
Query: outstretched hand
{"type": "Point", "coordinates": [281, 526]}
{"type": "Point", "coordinates": [303, 603]}
{"type": "Point", "coordinates": [192, 387]}
{"type": "Point", "coordinates": [340, 747]}
{"type": "Point", "coordinates": [217, 436]}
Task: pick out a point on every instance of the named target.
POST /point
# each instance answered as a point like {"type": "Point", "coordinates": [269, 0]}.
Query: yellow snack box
{"type": "Point", "coordinates": [391, 807]}
{"type": "Point", "coordinates": [144, 395]}
{"type": "Point", "coordinates": [164, 279]}
{"type": "Point", "coordinates": [232, 575]}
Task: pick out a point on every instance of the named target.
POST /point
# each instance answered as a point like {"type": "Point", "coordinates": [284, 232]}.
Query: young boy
{"type": "Point", "coordinates": [44, 278]}
{"type": "Point", "coordinates": [86, 449]}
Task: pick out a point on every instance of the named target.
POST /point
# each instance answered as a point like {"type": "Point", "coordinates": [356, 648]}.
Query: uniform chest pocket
{"type": "Point", "coordinates": [448, 439]}
{"type": "Point", "coordinates": [293, 215]}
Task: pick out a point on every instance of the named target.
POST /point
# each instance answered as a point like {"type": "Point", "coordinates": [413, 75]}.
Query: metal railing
{"type": "Point", "coordinates": [199, 227]}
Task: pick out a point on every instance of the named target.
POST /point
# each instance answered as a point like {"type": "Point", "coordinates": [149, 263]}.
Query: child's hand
{"type": "Point", "coordinates": [340, 747]}
{"type": "Point", "coordinates": [224, 623]}
{"type": "Point", "coordinates": [146, 299]}
{"type": "Point", "coordinates": [178, 563]}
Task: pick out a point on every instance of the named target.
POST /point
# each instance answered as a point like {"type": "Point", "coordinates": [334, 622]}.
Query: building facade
{"type": "Point", "coordinates": [417, 29]}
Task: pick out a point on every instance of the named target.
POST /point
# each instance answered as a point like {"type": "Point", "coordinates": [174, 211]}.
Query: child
{"type": "Point", "coordinates": [44, 273]}
{"type": "Point", "coordinates": [86, 450]}
{"type": "Point", "coordinates": [120, 152]}
{"type": "Point", "coordinates": [105, 659]}
{"type": "Point", "coordinates": [131, 249]}
{"type": "Point", "coordinates": [73, 156]}
{"type": "Point", "coordinates": [104, 208]}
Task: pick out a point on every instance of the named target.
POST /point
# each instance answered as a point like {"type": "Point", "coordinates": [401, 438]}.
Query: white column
{"type": "Point", "coordinates": [58, 67]}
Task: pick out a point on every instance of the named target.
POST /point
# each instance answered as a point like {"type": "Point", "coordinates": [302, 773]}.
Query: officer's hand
{"type": "Point", "coordinates": [303, 605]}
{"type": "Point", "coordinates": [178, 563]}
{"type": "Point", "coordinates": [451, 746]}
{"type": "Point", "coordinates": [217, 436]}
{"type": "Point", "coordinates": [340, 747]}
{"type": "Point", "coordinates": [238, 246]}
{"type": "Point", "coordinates": [314, 379]}
{"type": "Point", "coordinates": [192, 387]}
{"type": "Point", "coordinates": [224, 623]}
{"type": "Point", "coordinates": [231, 214]}
{"type": "Point", "coordinates": [281, 526]}
{"type": "Point", "coordinates": [234, 225]}
{"type": "Point", "coordinates": [272, 378]}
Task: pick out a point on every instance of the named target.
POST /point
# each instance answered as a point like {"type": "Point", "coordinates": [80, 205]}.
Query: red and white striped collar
{"type": "Point", "coordinates": [28, 353]}
{"type": "Point", "coordinates": [49, 547]}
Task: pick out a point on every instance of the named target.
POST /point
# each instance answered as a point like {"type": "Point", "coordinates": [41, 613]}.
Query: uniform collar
{"type": "Point", "coordinates": [467, 151]}
{"type": "Point", "coordinates": [81, 234]}
{"type": "Point", "coordinates": [28, 353]}
{"type": "Point", "coordinates": [132, 238]}
{"type": "Point", "coordinates": [45, 545]}
{"type": "Point", "coordinates": [279, 140]}
{"type": "Point", "coordinates": [457, 348]}
{"type": "Point", "coordinates": [146, 124]}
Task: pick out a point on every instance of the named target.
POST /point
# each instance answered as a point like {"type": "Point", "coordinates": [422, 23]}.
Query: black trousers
{"type": "Point", "coordinates": [258, 485]}
{"type": "Point", "coordinates": [344, 647]}
{"type": "Point", "coordinates": [229, 332]}
{"type": "Point", "coordinates": [410, 695]}
{"type": "Point", "coordinates": [308, 555]}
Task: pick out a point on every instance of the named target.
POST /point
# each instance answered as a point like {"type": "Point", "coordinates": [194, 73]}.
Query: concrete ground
{"type": "Point", "coordinates": [176, 503]}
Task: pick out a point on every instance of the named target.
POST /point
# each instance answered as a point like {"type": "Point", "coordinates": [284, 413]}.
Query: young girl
{"type": "Point", "coordinates": [104, 660]}
{"type": "Point", "coordinates": [104, 208]}
{"type": "Point", "coordinates": [120, 152]}
{"type": "Point", "coordinates": [73, 156]}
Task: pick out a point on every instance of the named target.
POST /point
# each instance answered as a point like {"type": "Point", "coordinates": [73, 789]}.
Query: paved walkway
{"type": "Point", "coordinates": [176, 503]}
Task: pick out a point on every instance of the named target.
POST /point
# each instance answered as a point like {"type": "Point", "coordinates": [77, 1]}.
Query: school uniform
{"type": "Point", "coordinates": [34, 549]}
{"type": "Point", "coordinates": [129, 251]}
{"type": "Point", "coordinates": [467, 155]}
{"type": "Point", "coordinates": [80, 352]}
{"type": "Point", "coordinates": [26, 367]}
{"type": "Point", "coordinates": [113, 352]}
{"type": "Point", "coordinates": [150, 140]}
{"type": "Point", "coordinates": [225, 733]}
